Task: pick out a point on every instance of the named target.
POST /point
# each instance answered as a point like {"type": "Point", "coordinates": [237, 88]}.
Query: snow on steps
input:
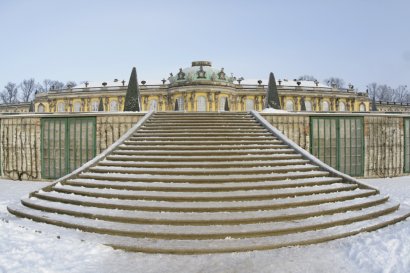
{"type": "Point", "coordinates": [192, 183]}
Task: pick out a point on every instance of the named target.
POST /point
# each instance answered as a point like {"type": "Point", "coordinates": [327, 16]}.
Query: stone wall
{"type": "Point", "coordinates": [20, 140]}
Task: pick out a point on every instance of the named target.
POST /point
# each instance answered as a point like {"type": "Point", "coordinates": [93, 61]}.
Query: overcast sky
{"type": "Point", "coordinates": [360, 41]}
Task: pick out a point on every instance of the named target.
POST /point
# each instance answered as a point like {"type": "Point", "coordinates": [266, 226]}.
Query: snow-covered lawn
{"type": "Point", "coordinates": [26, 246]}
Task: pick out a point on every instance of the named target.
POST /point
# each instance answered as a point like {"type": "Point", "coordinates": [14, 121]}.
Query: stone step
{"type": "Point", "coordinates": [203, 206]}
{"type": "Point", "coordinates": [201, 130]}
{"type": "Point", "coordinates": [126, 151]}
{"type": "Point", "coordinates": [202, 142]}
{"type": "Point", "coordinates": [204, 196]}
{"type": "Point", "coordinates": [211, 187]}
{"type": "Point", "coordinates": [206, 164]}
{"type": "Point", "coordinates": [201, 179]}
{"type": "Point", "coordinates": [202, 120]}
{"type": "Point", "coordinates": [202, 134]}
{"type": "Point", "coordinates": [199, 126]}
{"type": "Point", "coordinates": [137, 137]}
{"type": "Point", "coordinates": [202, 171]}
{"type": "Point", "coordinates": [258, 243]}
{"type": "Point", "coordinates": [130, 146]}
{"type": "Point", "coordinates": [219, 232]}
{"type": "Point", "coordinates": [220, 158]}
{"type": "Point", "coordinates": [203, 218]}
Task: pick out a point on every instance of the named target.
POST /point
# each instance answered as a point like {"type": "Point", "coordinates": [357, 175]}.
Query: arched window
{"type": "Point", "coordinates": [153, 105]}
{"type": "Point", "coordinates": [289, 105]}
{"type": "Point", "coordinates": [308, 105]}
{"type": "Point", "coordinates": [94, 106]}
{"type": "Point", "coordinates": [201, 104]}
{"type": "Point", "coordinates": [40, 108]}
{"type": "Point", "coordinates": [113, 106]}
{"type": "Point", "coordinates": [250, 105]}
{"type": "Point", "coordinates": [362, 107]}
{"type": "Point", "coordinates": [222, 103]}
{"type": "Point", "coordinates": [342, 106]}
{"type": "Point", "coordinates": [325, 106]}
{"type": "Point", "coordinates": [61, 107]}
{"type": "Point", "coordinates": [181, 104]}
{"type": "Point", "coordinates": [77, 106]}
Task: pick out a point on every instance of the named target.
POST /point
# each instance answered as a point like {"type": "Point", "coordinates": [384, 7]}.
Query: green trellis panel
{"type": "Point", "coordinates": [66, 144]}
{"type": "Point", "coordinates": [407, 145]}
{"type": "Point", "coordinates": [338, 141]}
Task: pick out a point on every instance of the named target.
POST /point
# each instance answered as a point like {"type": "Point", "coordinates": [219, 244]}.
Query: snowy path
{"type": "Point", "coordinates": [26, 246]}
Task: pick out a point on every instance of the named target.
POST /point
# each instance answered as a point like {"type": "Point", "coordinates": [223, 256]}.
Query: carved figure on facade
{"type": "Point", "coordinates": [181, 75]}
{"type": "Point", "coordinates": [222, 75]}
{"type": "Point", "coordinates": [201, 74]}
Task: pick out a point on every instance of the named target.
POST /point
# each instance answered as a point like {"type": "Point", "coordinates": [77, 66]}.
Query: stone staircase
{"type": "Point", "coordinates": [193, 183]}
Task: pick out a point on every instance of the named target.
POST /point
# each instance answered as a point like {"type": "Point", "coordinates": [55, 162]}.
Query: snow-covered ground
{"type": "Point", "coordinates": [26, 246]}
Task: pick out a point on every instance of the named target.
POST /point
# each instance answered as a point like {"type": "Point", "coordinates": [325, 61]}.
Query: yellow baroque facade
{"type": "Point", "coordinates": [202, 88]}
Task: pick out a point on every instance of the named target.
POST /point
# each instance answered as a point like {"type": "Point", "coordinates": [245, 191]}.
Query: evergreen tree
{"type": "Point", "coordinates": [133, 97]}
{"type": "Point", "coordinates": [31, 109]}
{"type": "Point", "coordinates": [302, 104]}
{"type": "Point", "coordinates": [226, 108]}
{"type": "Point", "coordinates": [101, 106]}
{"type": "Point", "coordinates": [374, 108]}
{"type": "Point", "coordinates": [272, 98]}
{"type": "Point", "coordinates": [176, 105]}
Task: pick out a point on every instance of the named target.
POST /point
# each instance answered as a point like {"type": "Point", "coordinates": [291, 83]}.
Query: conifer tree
{"type": "Point", "coordinates": [101, 105]}
{"type": "Point", "coordinates": [31, 109]}
{"type": "Point", "coordinates": [176, 105]}
{"type": "Point", "coordinates": [302, 104]}
{"type": "Point", "coordinates": [226, 107]}
{"type": "Point", "coordinates": [374, 108]}
{"type": "Point", "coordinates": [133, 97]}
{"type": "Point", "coordinates": [272, 98]}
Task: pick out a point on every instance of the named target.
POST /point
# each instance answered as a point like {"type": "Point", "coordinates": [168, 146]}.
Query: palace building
{"type": "Point", "coordinates": [203, 88]}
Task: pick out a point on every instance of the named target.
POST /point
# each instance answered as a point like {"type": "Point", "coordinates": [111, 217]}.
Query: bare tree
{"type": "Point", "coordinates": [307, 78]}
{"type": "Point", "coordinates": [335, 82]}
{"type": "Point", "coordinates": [384, 93]}
{"type": "Point", "coordinates": [70, 84]}
{"type": "Point", "coordinates": [57, 85]}
{"type": "Point", "coordinates": [9, 94]}
{"type": "Point", "coordinates": [27, 88]}
{"type": "Point", "coordinates": [46, 85]}
{"type": "Point", "coordinates": [372, 90]}
{"type": "Point", "coordinates": [400, 94]}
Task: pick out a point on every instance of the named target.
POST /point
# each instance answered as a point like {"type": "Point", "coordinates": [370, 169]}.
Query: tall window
{"type": "Point", "coordinates": [222, 103]}
{"type": "Point", "coordinates": [181, 103]}
{"type": "Point", "coordinates": [362, 107]}
{"type": "Point", "coordinates": [94, 106]}
{"type": "Point", "coordinates": [308, 105]}
{"type": "Point", "coordinates": [77, 106]}
{"type": "Point", "coordinates": [114, 106]}
{"type": "Point", "coordinates": [61, 107]}
{"type": "Point", "coordinates": [325, 106]}
{"type": "Point", "coordinates": [342, 106]}
{"type": "Point", "coordinates": [201, 104]}
{"type": "Point", "coordinates": [289, 105]}
{"type": "Point", "coordinates": [250, 105]}
{"type": "Point", "coordinates": [153, 105]}
{"type": "Point", "coordinates": [40, 108]}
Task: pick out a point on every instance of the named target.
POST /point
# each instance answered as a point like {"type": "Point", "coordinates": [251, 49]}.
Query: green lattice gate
{"type": "Point", "coordinates": [407, 145]}
{"type": "Point", "coordinates": [66, 144]}
{"type": "Point", "coordinates": [338, 141]}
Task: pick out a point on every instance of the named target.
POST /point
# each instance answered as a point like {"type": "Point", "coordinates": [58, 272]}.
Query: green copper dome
{"type": "Point", "coordinates": [201, 72]}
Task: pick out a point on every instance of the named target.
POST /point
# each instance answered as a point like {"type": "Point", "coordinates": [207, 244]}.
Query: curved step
{"type": "Point", "coordinates": [204, 196]}
{"type": "Point", "coordinates": [199, 206]}
{"type": "Point", "coordinates": [211, 187]}
{"type": "Point", "coordinates": [128, 146]}
{"type": "Point", "coordinates": [192, 232]}
{"type": "Point", "coordinates": [125, 151]}
{"type": "Point", "coordinates": [204, 164]}
{"type": "Point", "coordinates": [203, 218]}
{"type": "Point", "coordinates": [177, 158]}
{"type": "Point", "coordinates": [200, 179]}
